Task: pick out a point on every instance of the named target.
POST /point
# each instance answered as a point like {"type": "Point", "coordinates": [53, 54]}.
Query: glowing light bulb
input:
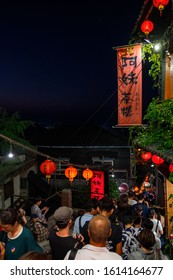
{"type": "Point", "coordinates": [10, 155]}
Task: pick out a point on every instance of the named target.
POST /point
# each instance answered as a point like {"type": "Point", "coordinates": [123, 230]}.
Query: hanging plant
{"type": "Point", "coordinates": [159, 118]}
{"type": "Point", "coordinates": [155, 60]}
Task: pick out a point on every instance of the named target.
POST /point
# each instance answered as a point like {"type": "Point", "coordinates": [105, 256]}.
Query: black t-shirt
{"type": "Point", "coordinates": [60, 245]}
{"type": "Point", "coordinates": [115, 238]}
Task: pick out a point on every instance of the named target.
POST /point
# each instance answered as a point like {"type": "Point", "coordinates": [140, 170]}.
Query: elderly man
{"type": "Point", "coordinates": [99, 230]}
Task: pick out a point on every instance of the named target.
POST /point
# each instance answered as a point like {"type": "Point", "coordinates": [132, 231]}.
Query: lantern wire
{"type": "Point", "coordinates": [101, 106]}
{"type": "Point", "coordinates": [34, 151]}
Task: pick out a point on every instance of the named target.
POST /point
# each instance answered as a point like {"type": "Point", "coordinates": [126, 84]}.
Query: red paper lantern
{"type": "Point", "coordinates": [71, 173]}
{"type": "Point", "coordinates": [87, 174]}
{"type": "Point", "coordinates": [146, 156]}
{"type": "Point", "coordinates": [147, 26]}
{"type": "Point", "coordinates": [48, 167]}
{"type": "Point", "coordinates": [136, 189]}
{"type": "Point", "coordinates": [157, 160]}
{"type": "Point", "coordinates": [171, 167]}
{"type": "Point", "coordinates": [160, 4]}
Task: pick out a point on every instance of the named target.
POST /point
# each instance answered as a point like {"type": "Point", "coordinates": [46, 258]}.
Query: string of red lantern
{"type": "Point", "coordinates": [147, 26]}
{"type": "Point", "coordinates": [136, 189]}
{"type": "Point", "coordinates": [87, 174]}
{"type": "Point", "coordinates": [48, 167]}
{"type": "Point", "coordinates": [171, 167]}
{"type": "Point", "coordinates": [71, 172]}
{"type": "Point", "coordinates": [146, 156]}
{"type": "Point", "coordinates": [157, 160]}
{"type": "Point", "coordinates": [160, 4]}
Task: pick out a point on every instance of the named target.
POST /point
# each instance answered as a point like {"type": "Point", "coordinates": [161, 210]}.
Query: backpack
{"type": "Point", "coordinates": [84, 232]}
{"type": "Point", "coordinates": [72, 254]}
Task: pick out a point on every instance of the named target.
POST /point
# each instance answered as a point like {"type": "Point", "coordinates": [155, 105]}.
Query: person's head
{"type": "Point", "coordinates": [9, 219]}
{"type": "Point", "coordinates": [138, 210]}
{"type": "Point", "coordinates": [32, 255]}
{"type": "Point", "coordinates": [106, 206]}
{"type": "Point", "coordinates": [146, 239]}
{"type": "Point", "coordinates": [91, 206]}
{"type": "Point", "coordinates": [123, 197]}
{"type": "Point", "coordinates": [127, 219]}
{"type": "Point", "coordinates": [147, 223]}
{"type": "Point", "coordinates": [80, 212]}
{"type": "Point", "coordinates": [38, 201]}
{"type": "Point", "coordinates": [99, 230]}
{"type": "Point", "coordinates": [137, 221]}
{"type": "Point", "coordinates": [140, 197]}
{"type": "Point", "coordinates": [63, 217]}
{"type": "Point", "coordinates": [151, 213]}
{"type": "Point", "coordinates": [34, 218]}
{"type": "Point", "coordinates": [131, 194]}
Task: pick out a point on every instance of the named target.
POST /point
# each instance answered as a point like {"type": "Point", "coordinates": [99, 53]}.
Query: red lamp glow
{"type": "Point", "coordinates": [47, 168]}
{"type": "Point", "coordinates": [157, 160]}
{"type": "Point", "coordinates": [87, 174]}
{"type": "Point", "coordinates": [160, 4]}
{"type": "Point", "coordinates": [71, 173]}
{"type": "Point", "coordinates": [146, 27]}
{"type": "Point", "coordinates": [171, 167]}
{"type": "Point", "coordinates": [136, 189]}
{"type": "Point", "coordinates": [146, 156]}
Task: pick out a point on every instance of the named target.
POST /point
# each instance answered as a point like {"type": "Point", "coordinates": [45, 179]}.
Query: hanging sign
{"type": "Point", "coordinates": [97, 185]}
{"type": "Point", "coordinates": [129, 64]}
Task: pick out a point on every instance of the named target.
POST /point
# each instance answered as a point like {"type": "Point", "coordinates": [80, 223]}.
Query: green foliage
{"type": "Point", "coordinates": [113, 189]}
{"type": "Point", "coordinates": [155, 60]}
{"type": "Point", "coordinates": [13, 127]}
{"type": "Point", "coordinates": [171, 177]}
{"type": "Point", "coordinates": [159, 117]}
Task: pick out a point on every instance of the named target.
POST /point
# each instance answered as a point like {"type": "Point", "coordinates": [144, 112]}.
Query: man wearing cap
{"type": "Point", "coordinates": [60, 240]}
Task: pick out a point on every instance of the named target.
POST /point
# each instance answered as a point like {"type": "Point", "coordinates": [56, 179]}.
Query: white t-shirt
{"type": "Point", "coordinates": [159, 227]}
{"type": "Point", "coordinates": [90, 252]}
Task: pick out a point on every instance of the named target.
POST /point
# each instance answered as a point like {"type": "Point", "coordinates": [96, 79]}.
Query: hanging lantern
{"type": "Point", "coordinates": [146, 156]}
{"type": "Point", "coordinates": [157, 160]}
{"type": "Point", "coordinates": [71, 173]}
{"type": "Point", "coordinates": [47, 168]}
{"type": "Point", "coordinates": [147, 26]}
{"type": "Point", "coordinates": [87, 174]}
{"type": "Point", "coordinates": [136, 189]}
{"type": "Point", "coordinates": [160, 4]}
{"type": "Point", "coordinates": [171, 167]}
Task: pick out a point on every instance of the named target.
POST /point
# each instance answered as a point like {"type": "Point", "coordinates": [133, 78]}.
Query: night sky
{"type": "Point", "coordinates": [57, 63]}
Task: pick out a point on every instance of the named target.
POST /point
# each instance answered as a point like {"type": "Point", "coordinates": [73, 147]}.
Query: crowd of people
{"type": "Point", "coordinates": [130, 229]}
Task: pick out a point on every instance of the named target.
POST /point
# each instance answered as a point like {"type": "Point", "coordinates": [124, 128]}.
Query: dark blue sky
{"type": "Point", "coordinates": [57, 62]}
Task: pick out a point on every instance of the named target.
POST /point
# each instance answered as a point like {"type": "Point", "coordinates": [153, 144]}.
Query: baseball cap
{"type": "Point", "coordinates": [63, 214]}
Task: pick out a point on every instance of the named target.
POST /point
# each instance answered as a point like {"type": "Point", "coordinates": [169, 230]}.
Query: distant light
{"type": "Point", "coordinates": [10, 155]}
{"type": "Point", "coordinates": [157, 47]}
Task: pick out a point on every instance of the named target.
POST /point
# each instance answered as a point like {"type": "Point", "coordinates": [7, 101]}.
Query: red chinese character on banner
{"type": "Point", "coordinates": [97, 185]}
